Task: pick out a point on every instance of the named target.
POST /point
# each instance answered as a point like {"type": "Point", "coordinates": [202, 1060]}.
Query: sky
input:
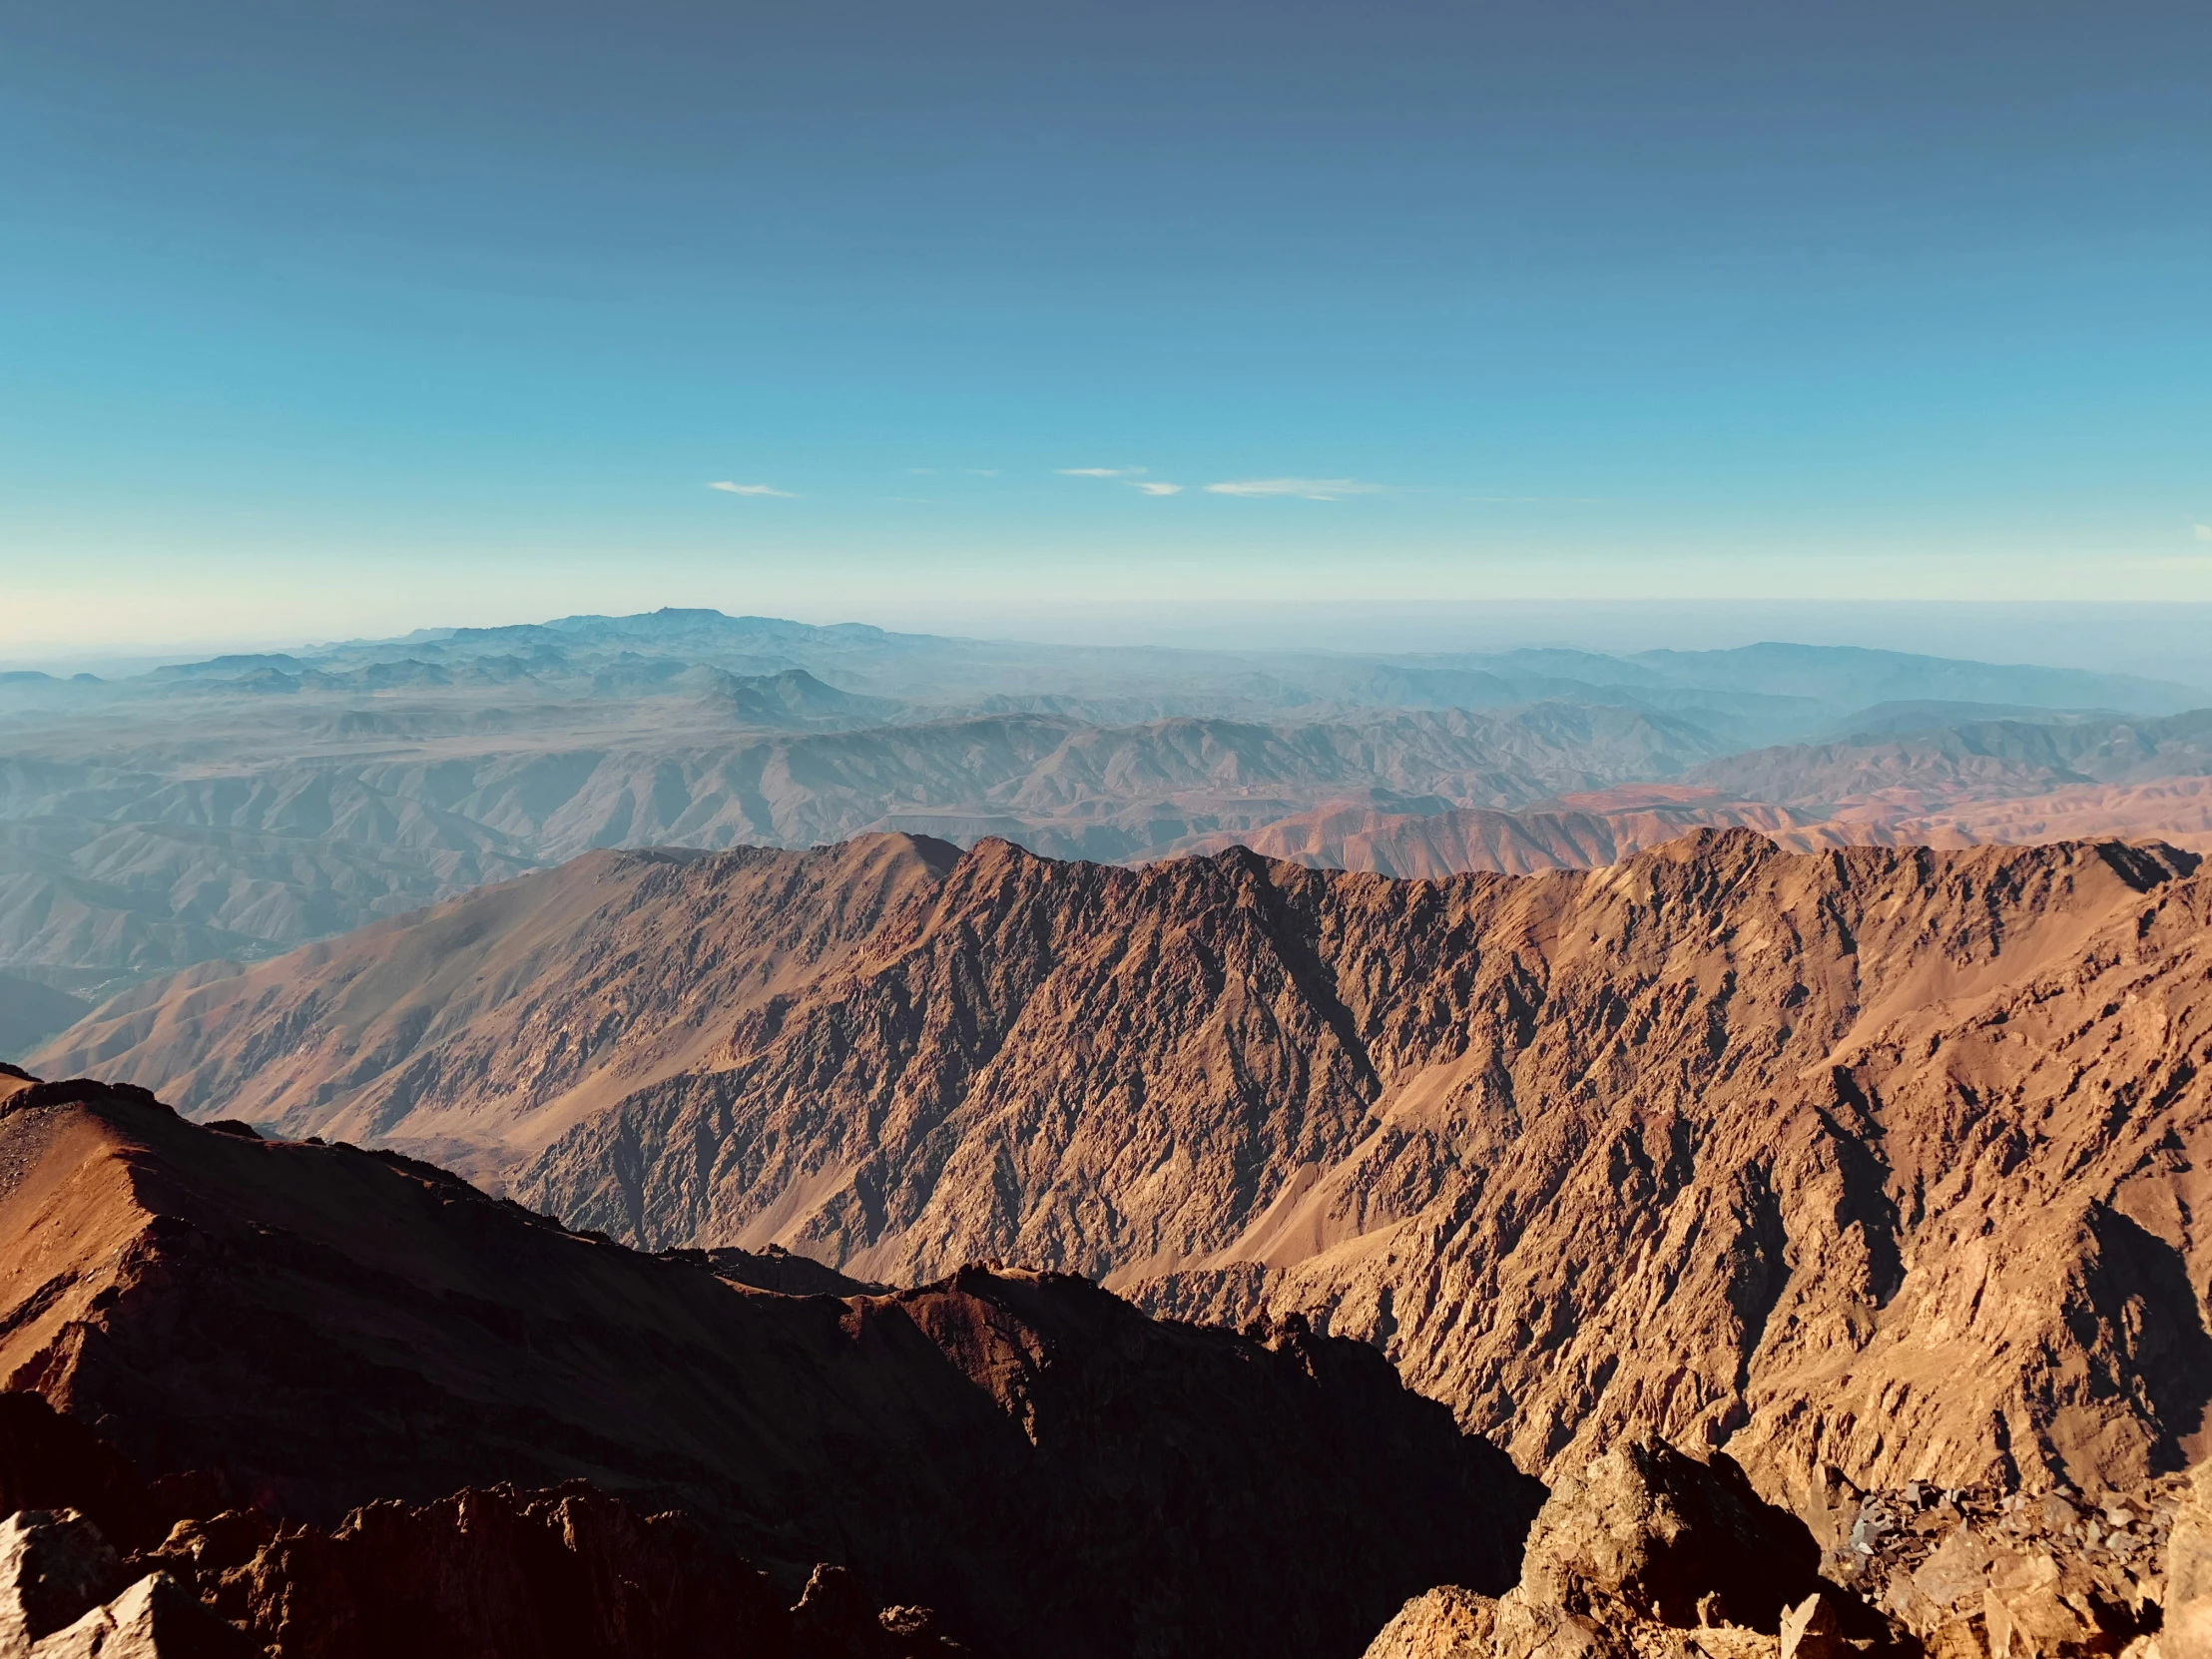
{"type": "Point", "coordinates": [322, 321]}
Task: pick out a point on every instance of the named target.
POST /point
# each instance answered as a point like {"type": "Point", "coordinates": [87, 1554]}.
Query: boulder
{"type": "Point", "coordinates": [2188, 1605]}
{"type": "Point", "coordinates": [1813, 1629]}
{"type": "Point", "coordinates": [54, 1564]}
{"type": "Point", "coordinates": [1449, 1622]}
{"type": "Point", "coordinates": [155, 1618]}
{"type": "Point", "coordinates": [1648, 1553]}
{"type": "Point", "coordinates": [1670, 1539]}
{"type": "Point", "coordinates": [62, 1596]}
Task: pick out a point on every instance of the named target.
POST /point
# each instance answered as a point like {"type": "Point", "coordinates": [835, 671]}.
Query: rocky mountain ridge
{"type": "Point", "coordinates": [1890, 1160]}
{"type": "Point", "coordinates": [301, 1330]}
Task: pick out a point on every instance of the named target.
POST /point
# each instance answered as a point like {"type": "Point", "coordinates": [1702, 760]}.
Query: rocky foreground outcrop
{"type": "Point", "coordinates": [1651, 1554]}
{"type": "Point", "coordinates": [318, 1334]}
{"type": "Point", "coordinates": [2188, 1580]}
{"type": "Point", "coordinates": [1646, 1551]}
{"type": "Point", "coordinates": [484, 1574]}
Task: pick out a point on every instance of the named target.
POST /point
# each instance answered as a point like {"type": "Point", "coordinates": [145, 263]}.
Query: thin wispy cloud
{"type": "Point", "coordinates": [923, 471]}
{"type": "Point", "coordinates": [980, 471]}
{"type": "Point", "coordinates": [728, 487]}
{"type": "Point", "coordinates": [1160, 489]}
{"type": "Point", "coordinates": [2204, 532]}
{"type": "Point", "coordinates": [1302, 489]}
{"type": "Point", "coordinates": [1532, 500]}
{"type": "Point", "coordinates": [1101, 471]}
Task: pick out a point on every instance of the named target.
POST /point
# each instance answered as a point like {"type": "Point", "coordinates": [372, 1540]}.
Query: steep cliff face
{"type": "Point", "coordinates": [318, 1327]}
{"type": "Point", "coordinates": [1882, 1157]}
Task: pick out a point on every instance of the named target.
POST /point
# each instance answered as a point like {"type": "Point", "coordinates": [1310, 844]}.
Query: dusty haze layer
{"type": "Point", "coordinates": [235, 808]}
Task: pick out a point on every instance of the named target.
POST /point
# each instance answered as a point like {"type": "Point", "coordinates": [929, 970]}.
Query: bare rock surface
{"type": "Point", "coordinates": [1651, 1551]}
{"type": "Point", "coordinates": [1448, 1623]}
{"type": "Point", "coordinates": [320, 1330]}
{"type": "Point", "coordinates": [1670, 1539]}
{"type": "Point", "coordinates": [495, 1574]}
{"type": "Point", "coordinates": [53, 1565]}
{"type": "Point", "coordinates": [2187, 1584]}
{"type": "Point", "coordinates": [1647, 1553]}
{"type": "Point", "coordinates": [1976, 1570]}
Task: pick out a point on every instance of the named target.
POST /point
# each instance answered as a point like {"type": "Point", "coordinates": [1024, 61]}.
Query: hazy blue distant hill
{"type": "Point", "coordinates": [1853, 675]}
{"type": "Point", "coordinates": [1751, 695]}
{"type": "Point", "coordinates": [250, 802]}
{"type": "Point", "coordinates": [31, 1012]}
{"type": "Point", "coordinates": [1989, 757]}
{"type": "Point", "coordinates": [1886, 720]}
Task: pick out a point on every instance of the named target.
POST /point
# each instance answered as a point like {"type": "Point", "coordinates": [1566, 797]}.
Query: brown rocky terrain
{"type": "Point", "coordinates": [1878, 1160]}
{"type": "Point", "coordinates": [1888, 1160]}
{"type": "Point", "coordinates": [1645, 1552]}
{"type": "Point", "coordinates": [305, 1330]}
{"type": "Point", "coordinates": [621, 969]}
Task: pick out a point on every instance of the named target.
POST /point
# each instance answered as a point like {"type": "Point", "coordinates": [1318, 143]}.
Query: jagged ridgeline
{"type": "Point", "coordinates": [1884, 1161]}
{"type": "Point", "coordinates": [341, 1340]}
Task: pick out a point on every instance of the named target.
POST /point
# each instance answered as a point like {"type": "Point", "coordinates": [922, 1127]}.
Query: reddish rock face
{"type": "Point", "coordinates": [1887, 1160]}
{"type": "Point", "coordinates": [318, 1327]}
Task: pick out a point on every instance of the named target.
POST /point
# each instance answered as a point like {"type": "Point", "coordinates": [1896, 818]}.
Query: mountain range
{"type": "Point", "coordinates": [1880, 1159]}
{"type": "Point", "coordinates": [233, 807]}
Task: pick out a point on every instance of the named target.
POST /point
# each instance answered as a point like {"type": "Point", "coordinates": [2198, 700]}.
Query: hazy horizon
{"type": "Point", "coordinates": [2155, 641]}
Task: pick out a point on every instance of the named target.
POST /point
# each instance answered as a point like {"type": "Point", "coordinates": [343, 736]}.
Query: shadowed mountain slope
{"type": "Point", "coordinates": [1888, 1159]}
{"type": "Point", "coordinates": [322, 1326]}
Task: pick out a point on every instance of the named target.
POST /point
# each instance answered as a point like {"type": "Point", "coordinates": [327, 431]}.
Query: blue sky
{"type": "Point", "coordinates": [326, 319]}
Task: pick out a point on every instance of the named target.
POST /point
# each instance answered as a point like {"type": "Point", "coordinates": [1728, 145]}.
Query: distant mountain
{"type": "Point", "coordinates": [138, 869]}
{"type": "Point", "coordinates": [31, 1012]}
{"type": "Point", "coordinates": [794, 697]}
{"type": "Point", "coordinates": [1890, 720]}
{"type": "Point", "coordinates": [238, 805]}
{"type": "Point", "coordinates": [1350, 836]}
{"type": "Point", "coordinates": [1788, 691]}
{"type": "Point", "coordinates": [1875, 1158]}
{"type": "Point", "coordinates": [1855, 677]}
{"type": "Point", "coordinates": [1980, 759]}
